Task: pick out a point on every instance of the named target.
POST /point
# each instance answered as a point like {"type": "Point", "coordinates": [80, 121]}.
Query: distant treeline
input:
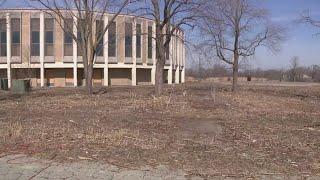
{"type": "Point", "coordinates": [311, 73]}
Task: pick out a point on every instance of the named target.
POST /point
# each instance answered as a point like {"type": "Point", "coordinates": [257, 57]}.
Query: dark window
{"type": "Point", "coordinates": [49, 37]}
{"type": "Point", "coordinates": [138, 43]}
{"type": "Point", "coordinates": [15, 37]}
{"type": "Point", "coordinates": [68, 40]}
{"type": "Point", "coordinates": [15, 34]}
{"type": "Point", "coordinates": [35, 44]}
{"type": "Point", "coordinates": [79, 52]}
{"type": "Point", "coordinates": [3, 37]}
{"type": "Point", "coordinates": [99, 33]}
{"type": "Point", "coordinates": [35, 50]}
{"type": "Point", "coordinates": [79, 44]}
{"type": "Point", "coordinates": [149, 42]}
{"type": "Point", "coordinates": [128, 40]}
{"type": "Point", "coordinates": [112, 40]}
{"type": "Point", "coordinates": [167, 52]}
{"type": "Point", "coordinates": [35, 37]}
{"type": "Point", "coordinates": [3, 49]}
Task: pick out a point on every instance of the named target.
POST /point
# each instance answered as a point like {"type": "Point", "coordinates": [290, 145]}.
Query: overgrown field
{"type": "Point", "coordinates": [200, 127]}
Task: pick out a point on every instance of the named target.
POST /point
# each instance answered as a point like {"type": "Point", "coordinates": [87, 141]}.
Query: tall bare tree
{"type": "Point", "coordinates": [87, 13]}
{"type": "Point", "coordinates": [293, 72]}
{"type": "Point", "coordinates": [235, 29]}
{"type": "Point", "coordinates": [307, 18]}
{"type": "Point", "coordinates": [169, 16]}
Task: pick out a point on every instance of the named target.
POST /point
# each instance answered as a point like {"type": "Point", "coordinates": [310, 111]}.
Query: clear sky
{"type": "Point", "coordinates": [302, 41]}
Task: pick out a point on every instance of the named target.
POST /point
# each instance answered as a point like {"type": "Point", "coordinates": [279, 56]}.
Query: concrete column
{"type": "Point", "coordinates": [183, 77]}
{"type": "Point", "coordinates": [144, 45]}
{"type": "Point", "coordinates": [75, 54]}
{"type": "Point", "coordinates": [42, 49]}
{"type": "Point", "coordinates": [178, 50]}
{"type": "Point", "coordinates": [183, 73]}
{"type": "Point", "coordinates": [174, 50]}
{"type": "Point", "coordinates": [171, 62]}
{"type": "Point", "coordinates": [134, 53]}
{"type": "Point", "coordinates": [106, 53]}
{"type": "Point", "coordinates": [8, 49]}
{"type": "Point", "coordinates": [154, 59]}
{"type": "Point", "coordinates": [121, 39]}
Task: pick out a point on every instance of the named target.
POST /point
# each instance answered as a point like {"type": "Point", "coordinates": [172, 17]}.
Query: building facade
{"type": "Point", "coordinates": [34, 46]}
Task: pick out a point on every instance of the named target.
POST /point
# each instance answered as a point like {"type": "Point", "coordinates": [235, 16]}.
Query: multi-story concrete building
{"type": "Point", "coordinates": [34, 46]}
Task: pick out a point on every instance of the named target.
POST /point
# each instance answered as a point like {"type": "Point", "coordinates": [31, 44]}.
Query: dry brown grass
{"type": "Point", "coordinates": [201, 127]}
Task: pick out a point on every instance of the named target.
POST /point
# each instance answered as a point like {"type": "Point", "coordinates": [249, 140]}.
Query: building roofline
{"type": "Point", "coordinates": [46, 9]}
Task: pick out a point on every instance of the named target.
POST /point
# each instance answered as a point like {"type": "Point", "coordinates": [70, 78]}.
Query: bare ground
{"type": "Point", "coordinates": [200, 127]}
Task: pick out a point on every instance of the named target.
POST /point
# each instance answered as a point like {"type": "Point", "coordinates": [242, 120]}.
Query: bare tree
{"type": "Point", "coordinates": [86, 13]}
{"type": "Point", "coordinates": [169, 16]}
{"type": "Point", "coordinates": [308, 19]}
{"type": "Point", "coordinates": [235, 29]}
{"type": "Point", "coordinates": [315, 72]}
{"type": "Point", "coordinates": [293, 73]}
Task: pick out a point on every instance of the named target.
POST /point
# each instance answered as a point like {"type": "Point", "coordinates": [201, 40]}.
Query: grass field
{"type": "Point", "coordinates": [199, 127]}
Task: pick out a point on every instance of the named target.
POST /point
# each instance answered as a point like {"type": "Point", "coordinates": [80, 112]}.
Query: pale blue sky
{"type": "Point", "coordinates": [302, 41]}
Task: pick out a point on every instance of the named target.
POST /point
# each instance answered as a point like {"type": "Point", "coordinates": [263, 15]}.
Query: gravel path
{"type": "Point", "coordinates": [24, 167]}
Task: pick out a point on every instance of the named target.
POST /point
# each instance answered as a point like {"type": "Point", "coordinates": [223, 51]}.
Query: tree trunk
{"type": "Point", "coordinates": [235, 70]}
{"type": "Point", "coordinates": [88, 74]}
{"type": "Point", "coordinates": [161, 60]}
{"type": "Point", "coordinates": [89, 79]}
{"type": "Point", "coordinates": [159, 79]}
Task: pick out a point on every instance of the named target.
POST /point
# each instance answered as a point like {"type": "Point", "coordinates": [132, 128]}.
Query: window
{"type": "Point", "coordinates": [35, 37]}
{"type": "Point", "coordinates": [167, 52]}
{"type": "Point", "coordinates": [128, 40]}
{"type": "Point", "coordinates": [3, 37]}
{"type": "Point", "coordinates": [49, 37]}
{"type": "Point", "coordinates": [149, 42]}
{"type": "Point", "coordinates": [15, 34]}
{"type": "Point", "coordinates": [68, 41]}
{"type": "Point", "coordinates": [79, 48]}
{"type": "Point", "coordinates": [138, 42]}
{"type": "Point", "coordinates": [99, 33]}
{"type": "Point", "coordinates": [112, 40]}
{"type": "Point", "coordinates": [79, 52]}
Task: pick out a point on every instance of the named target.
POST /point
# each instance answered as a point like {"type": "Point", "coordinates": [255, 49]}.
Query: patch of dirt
{"type": "Point", "coordinates": [204, 127]}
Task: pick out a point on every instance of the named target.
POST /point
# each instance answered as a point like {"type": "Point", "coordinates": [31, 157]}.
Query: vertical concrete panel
{"type": "Point", "coordinates": [121, 38]}
{"type": "Point", "coordinates": [144, 41]}
{"type": "Point", "coordinates": [25, 37]}
{"type": "Point", "coordinates": [8, 49]}
{"type": "Point", "coordinates": [58, 43]}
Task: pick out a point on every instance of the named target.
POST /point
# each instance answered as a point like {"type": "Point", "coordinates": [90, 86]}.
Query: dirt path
{"type": "Point", "coordinates": [24, 167]}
